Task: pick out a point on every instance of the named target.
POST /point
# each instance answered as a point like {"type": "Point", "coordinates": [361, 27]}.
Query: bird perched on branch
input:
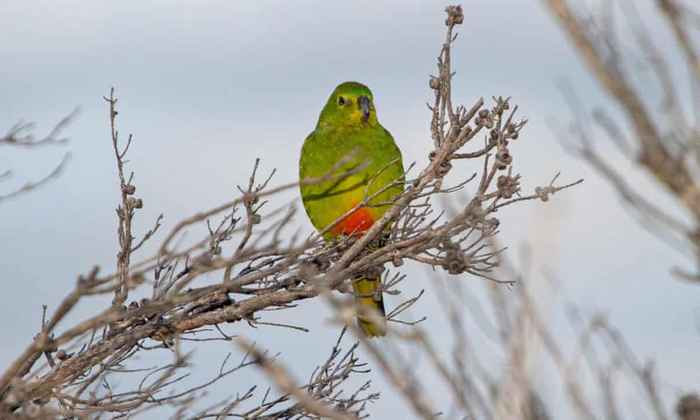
{"type": "Point", "coordinates": [349, 142]}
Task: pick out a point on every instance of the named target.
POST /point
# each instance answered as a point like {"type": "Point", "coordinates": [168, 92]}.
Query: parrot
{"type": "Point", "coordinates": [348, 131]}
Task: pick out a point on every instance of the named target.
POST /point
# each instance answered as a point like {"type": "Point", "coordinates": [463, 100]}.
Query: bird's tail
{"type": "Point", "coordinates": [368, 295]}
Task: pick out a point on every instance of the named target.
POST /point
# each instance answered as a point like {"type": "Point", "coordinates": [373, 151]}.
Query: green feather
{"type": "Point", "coordinates": [342, 133]}
{"type": "Point", "coordinates": [346, 130]}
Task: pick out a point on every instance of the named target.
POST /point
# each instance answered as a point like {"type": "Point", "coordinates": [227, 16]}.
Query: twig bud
{"type": "Point", "coordinates": [455, 16]}
{"type": "Point", "coordinates": [129, 189]}
{"type": "Point", "coordinates": [503, 158]}
{"type": "Point", "coordinates": [493, 223]}
{"type": "Point", "coordinates": [507, 186]}
{"type": "Point", "coordinates": [134, 203]}
{"type": "Point", "coordinates": [443, 169]}
{"type": "Point", "coordinates": [434, 83]}
{"type": "Point", "coordinates": [454, 262]}
{"type": "Point", "coordinates": [62, 355]}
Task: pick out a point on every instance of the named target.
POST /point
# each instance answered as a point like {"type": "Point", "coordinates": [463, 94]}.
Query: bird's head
{"type": "Point", "coordinates": [350, 104]}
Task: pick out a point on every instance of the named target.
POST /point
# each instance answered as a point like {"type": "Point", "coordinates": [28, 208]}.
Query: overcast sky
{"type": "Point", "coordinates": [205, 87]}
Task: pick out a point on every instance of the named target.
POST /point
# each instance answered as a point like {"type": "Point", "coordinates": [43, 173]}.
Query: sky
{"type": "Point", "coordinates": [206, 87]}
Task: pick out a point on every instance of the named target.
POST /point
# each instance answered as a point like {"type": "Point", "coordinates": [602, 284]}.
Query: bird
{"type": "Point", "coordinates": [348, 139]}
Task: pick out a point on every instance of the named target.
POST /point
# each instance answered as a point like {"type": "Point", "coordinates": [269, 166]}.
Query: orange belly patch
{"type": "Point", "coordinates": [356, 222]}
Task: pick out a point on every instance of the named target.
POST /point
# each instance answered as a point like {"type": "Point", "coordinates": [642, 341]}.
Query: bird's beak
{"type": "Point", "coordinates": [365, 107]}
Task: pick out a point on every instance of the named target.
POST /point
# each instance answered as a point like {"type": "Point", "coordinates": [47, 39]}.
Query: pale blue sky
{"type": "Point", "coordinates": [208, 86]}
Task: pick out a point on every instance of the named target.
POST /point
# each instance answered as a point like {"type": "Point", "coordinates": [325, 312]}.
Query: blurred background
{"type": "Point", "coordinates": [206, 87]}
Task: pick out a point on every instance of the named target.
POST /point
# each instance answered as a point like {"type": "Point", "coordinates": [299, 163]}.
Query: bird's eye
{"type": "Point", "coordinates": [341, 100]}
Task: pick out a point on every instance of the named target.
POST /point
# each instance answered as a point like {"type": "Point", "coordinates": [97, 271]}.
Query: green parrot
{"type": "Point", "coordinates": [348, 127]}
